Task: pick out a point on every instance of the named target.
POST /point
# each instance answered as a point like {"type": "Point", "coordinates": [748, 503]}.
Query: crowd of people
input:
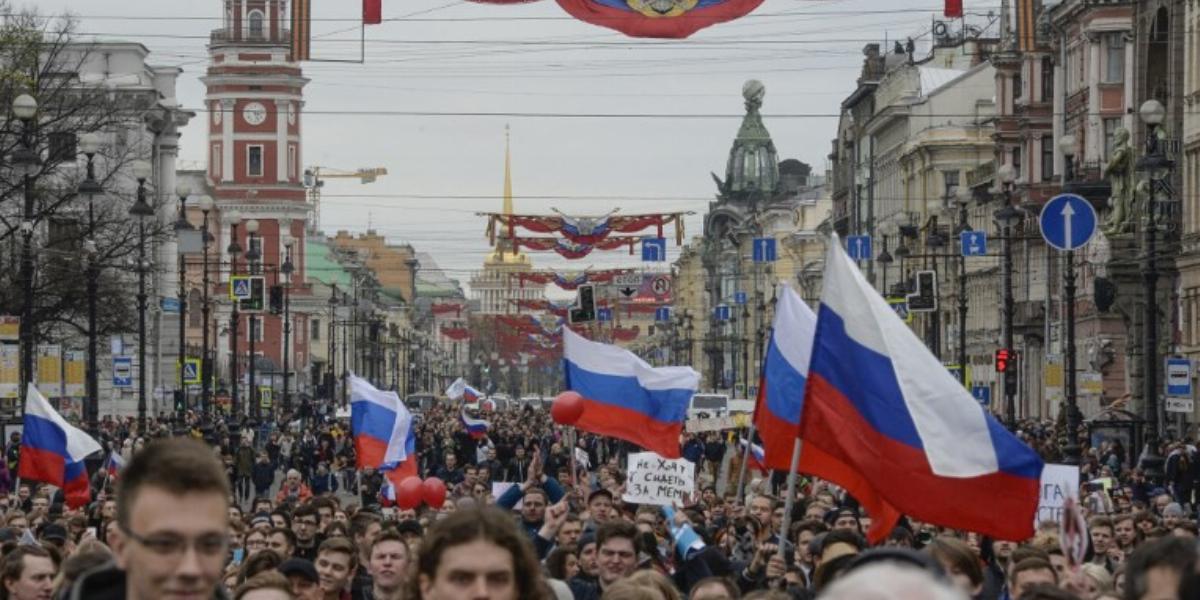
{"type": "Point", "coordinates": [221, 510]}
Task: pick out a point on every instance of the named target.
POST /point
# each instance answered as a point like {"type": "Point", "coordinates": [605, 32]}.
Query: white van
{"type": "Point", "coordinates": [708, 406]}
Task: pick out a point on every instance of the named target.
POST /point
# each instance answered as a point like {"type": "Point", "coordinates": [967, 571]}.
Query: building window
{"type": "Point", "coordinates": [1018, 86]}
{"type": "Point", "coordinates": [1114, 57]}
{"type": "Point", "coordinates": [316, 330]}
{"type": "Point", "coordinates": [1047, 157]}
{"type": "Point", "coordinates": [1110, 132]}
{"type": "Point", "coordinates": [254, 161]}
{"type": "Point", "coordinates": [256, 24]}
{"type": "Point", "coordinates": [1016, 163]}
{"type": "Point", "coordinates": [291, 161]}
{"type": "Point", "coordinates": [215, 161]}
{"type": "Point", "coordinates": [1047, 80]}
{"type": "Point", "coordinates": [950, 181]}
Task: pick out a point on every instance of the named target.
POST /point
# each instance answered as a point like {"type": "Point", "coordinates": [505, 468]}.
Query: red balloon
{"type": "Point", "coordinates": [567, 408]}
{"type": "Point", "coordinates": [408, 493]}
{"type": "Point", "coordinates": [433, 491]}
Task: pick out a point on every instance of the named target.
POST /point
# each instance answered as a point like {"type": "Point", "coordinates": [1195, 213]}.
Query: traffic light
{"type": "Point", "coordinates": [584, 310]}
{"type": "Point", "coordinates": [277, 299]}
{"type": "Point", "coordinates": [1003, 356]}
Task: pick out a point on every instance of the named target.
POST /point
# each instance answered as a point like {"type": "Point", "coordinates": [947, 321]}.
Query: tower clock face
{"type": "Point", "coordinates": [254, 113]}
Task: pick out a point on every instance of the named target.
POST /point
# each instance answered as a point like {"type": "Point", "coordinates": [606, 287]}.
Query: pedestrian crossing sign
{"type": "Point", "coordinates": [239, 287]}
{"type": "Point", "coordinates": [191, 371]}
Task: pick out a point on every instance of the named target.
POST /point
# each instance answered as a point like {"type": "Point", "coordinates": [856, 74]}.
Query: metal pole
{"type": "Point", "coordinates": [741, 482]}
{"type": "Point", "coordinates": [235, 406]}
{"type": "Point", "coordinates": [27, 226]}
{"type": "Point", "coordinates": [1072, 448]}
{"type": "Point", "coordinates": [205, 362]}
{"type": "Point", "coordinates": [287, 337]}
{"type": "Point", "coordinates": [1010, 388]}
{"type": "Point", "coordinates": [1150, 319]}
{"type": "Point", "coordinates": [962, 308]}
{"type": "Point", "coordinates": [790, 500]}
{"type": "Point", "coordinates": [182, 408]}
{"type": "Point", "coordinates": [141, 301]}
{"type": "Point", "coordinates": [93, 275]}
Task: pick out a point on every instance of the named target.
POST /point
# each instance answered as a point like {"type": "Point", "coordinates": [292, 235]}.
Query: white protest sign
{"type": "Point", "coordinates": [657, 480]}
{"type": "Point", "coordinates": [1058, 482]}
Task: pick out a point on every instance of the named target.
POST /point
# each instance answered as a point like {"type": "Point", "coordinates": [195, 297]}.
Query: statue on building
{"type": "Point", "coordinates": [1119, 171]}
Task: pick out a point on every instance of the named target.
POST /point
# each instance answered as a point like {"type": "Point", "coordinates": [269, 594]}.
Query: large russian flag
{"type": "Point", "coordinates": [626, 398]}
{"type": "Point", "coordinates": [885, 420]}
{"type": "Point", "coordinates": [785, 370]}
{"type": "Point", "coordinates": [52, 450]}
{"type": "Point", "coordinates": [380, 424]}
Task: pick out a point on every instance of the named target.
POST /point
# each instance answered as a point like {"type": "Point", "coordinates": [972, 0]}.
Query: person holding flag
{"type": "Point", "coordinates": [52, 450]}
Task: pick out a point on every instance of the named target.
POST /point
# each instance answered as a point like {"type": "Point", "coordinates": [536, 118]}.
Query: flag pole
{"type": "Point", "coordinates": [741, 482]}
{"type": "Point", "coordinates": [789, 501]}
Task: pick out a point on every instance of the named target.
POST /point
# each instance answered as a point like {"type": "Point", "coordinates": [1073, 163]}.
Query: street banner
{"type": "Point", "coordinates": [657, 480]}
{"type": "Point", "coordinates": [75, 371]}
{"type": "Point", "coordinates": [1058, 483]}
{"type": "Point", "coordinates": [10, 371]}
{"type": "Point", "coordinates": [10, 328]}
{"type": "Point", "coordinates": [49, 370]}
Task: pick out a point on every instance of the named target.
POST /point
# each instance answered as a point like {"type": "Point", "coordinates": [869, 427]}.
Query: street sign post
{"type": "Point", "coordinates": [654, 249]}
{"type": "Point", "coordinates": [1179, 377]}
{"type": "Point", "coordinates": [123, 371]}
{"type": "Point", "coordinates": [239, 287]}
{"type": "Point", "coordinates": [722, 312]}
{"type": "Point", "coordinates": [191, 371]}
{"type": "Point", "coordinates": [662, 313]}
{"type": "Point", "coordinates": [859, 247]}
{"type": "Point", "coordinates": [603, 314]}
{"type": "Point", "coordinates": [982, 394]}
{"type": "Point", "coordinates": [1179, 405]}
{"type": "Point", "coordinates": [661, 286]}
{"type": "Point", "coordinates": [974, 243]}
{"type": "Point", "coordinates": [764, 250]}
{"type": "Point", "coordinates": [1068, 222]}
{"type": "Point", "coordinates": [739, 298]}
{"type": "Point", "coordinates": [627, 279]}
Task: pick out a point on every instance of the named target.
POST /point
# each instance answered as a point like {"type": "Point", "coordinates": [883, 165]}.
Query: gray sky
{"type": "Point", "coordinates": [452, 55]}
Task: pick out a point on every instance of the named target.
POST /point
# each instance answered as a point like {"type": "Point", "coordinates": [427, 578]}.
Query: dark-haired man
{"type": "Point", "coordinates": [28, 574]}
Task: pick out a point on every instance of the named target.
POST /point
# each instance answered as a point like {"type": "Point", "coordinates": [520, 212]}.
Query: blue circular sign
{"type": "Point", "coordinates": [1068, 221]}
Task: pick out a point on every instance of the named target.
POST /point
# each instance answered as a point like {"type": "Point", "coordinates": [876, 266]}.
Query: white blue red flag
{"type": "Point", "coordinates": [885, 420]}
{"type": "Point", "coordinates": [757, 459]}
{"type": "Point", "coordinates": [785, 371]}
{"type": "Point", "coordinates": [52, 450]}
{"type": "Point", "coordinates": [460, 390]}
{"type": "Point", "coordinates": [476, 427]}
{"type": "Point", "coordinates": [114, 464]}
{"type": "Point", "coordinates": [626, 398]}
{"type": "Point", "coordinates": [380, 424]}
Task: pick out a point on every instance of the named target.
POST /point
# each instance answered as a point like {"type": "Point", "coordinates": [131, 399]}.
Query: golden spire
{"type": "Point", "coordinates": [508, 203]}
{"type": "Point", "coordinates": [503, 253]}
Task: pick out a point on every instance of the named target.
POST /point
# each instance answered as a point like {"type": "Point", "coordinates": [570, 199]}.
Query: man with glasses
{"type": "Point", "coordinates": [256, 541]}
{"type": "Point", "coordinates": [172, 526]}
{"type": "Point", "coordinates": [305, 522]}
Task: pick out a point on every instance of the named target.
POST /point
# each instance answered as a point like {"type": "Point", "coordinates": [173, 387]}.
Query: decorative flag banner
{"type": "Point", "coordinates": [658, 18]}
{"type": "Point", "coordinates": [380, 424]}
{"type": "Point", "coordinates": [52, 450]}
{"type": "Point", "coordinates": [584, 230]}
{"type": "Point", "coordinates": [785, 370]}
{"type": "Point", "coordinates": [569, 281]}
{"type": "Point", "coordinates": [372, 12]}
{"type": "Point", "coordinates": [885, 420]}
{"type": "Point", "coordinates": [757, 458]}
{"type": "Point", "coordinates": [114, 465]}
{"type": "Point", "coordinates": [477, 428]}
{"type": "Point", "coordinates": [572, 250]}
{"type": "Point", "coordinates": [626, 398]}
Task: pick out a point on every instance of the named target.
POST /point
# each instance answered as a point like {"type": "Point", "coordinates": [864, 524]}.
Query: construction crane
{"type": "Point", "coordinates": [314, 180]}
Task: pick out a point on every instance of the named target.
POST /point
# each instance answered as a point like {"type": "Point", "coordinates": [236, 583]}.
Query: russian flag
{"type": "Point", "coordinates": [387, 493]}
{"type": "Point", "coordinates": [886, 421]}
{"type": "Point", "coordinates": [460, 389]}
{"type": "Point", "coordinates": [380, 424]}
{"type": "Point", "coordinates": [626, 398]}
{"type": "Point", "coordinates": [757, 458]}
{"type": "Point", "coordinates": [395, 472]}
{"type": "Point", "coordinates": [476, 427]}
{"type": "Point", "coordinates": [785, 371]}
{"type": "Point", "coordinates": [52, 450]}
{"type": "Point", "coordinates": [114, 465]}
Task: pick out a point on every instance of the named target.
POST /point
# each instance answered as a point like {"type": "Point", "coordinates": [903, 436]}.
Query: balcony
{"type": "Point", "coordinates": [229, 35]}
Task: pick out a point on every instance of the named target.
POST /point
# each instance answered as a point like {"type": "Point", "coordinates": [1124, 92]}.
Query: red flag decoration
{"type": "Point", "coordinates": [954, 9]}
{"type": "Point", "coordinates": [372, 12]}
{"type": "Point", "coordinates": [658, 18]}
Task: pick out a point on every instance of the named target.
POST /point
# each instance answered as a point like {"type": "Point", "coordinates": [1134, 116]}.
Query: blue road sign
{"type": "Point", "coordinates": [859, 247]}
{"type": "Point", "coordinates": [982, 394]}
{"type": "Point", "coordinates": [603, 314]}
{"type": "Point", "coordinates": [764, 250]}
{"type": "Point", "coordinates": [1068, 221]}
{"type": "Point", "coordinates": [722, 312]}
{"type": "Point", "coordinates": [974, 243]}
{"type": "Point", "coordinates": [662, 313]}
{"type": "Point", "coordinates": [654, 249]}
{"type": "Point", "coordinates": [123, 371]}
{"type": "Point", "coordinates": [739, 297]}
{"type": "Point", "coordinates": [1179, 378]}
{"type": "Point", "coordinates": [239, 287]}
{"type": "Point", "coordinates": [170, 305]}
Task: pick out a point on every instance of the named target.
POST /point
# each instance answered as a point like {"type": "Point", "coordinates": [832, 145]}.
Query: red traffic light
{"type": "Point", "coordinates": [1003, 355]}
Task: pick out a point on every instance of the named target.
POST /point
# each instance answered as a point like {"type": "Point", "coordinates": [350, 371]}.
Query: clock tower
{"type": "Point", "coordinates": [254, 101]}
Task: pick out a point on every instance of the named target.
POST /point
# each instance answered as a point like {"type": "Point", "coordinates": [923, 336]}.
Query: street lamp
{"type": "Point", "coordinates": [183, 233]}
{"type": "Point", "coordinates": [287, 269]}
{"type": "Point", "coordinates": [1006, 218]}
{"type": "Point", "coordinates": [963, 196]}
{"type": "Point", "coordinates": [234, 250]}
{"type": "Point", "coordinates": [1066, 145]}
{"type": "Point", "coordinates": [206, 205]}
{"type": "Point", "coordinates": [89, 144]}
{"type": "Point", "coordinates": [1157, 167]}
{"type": "Point", "coordinates": [252, 257]}
{"type": "Point", "coordinates": [27, 161]}
{"type": "Point", "coordinates": [331, 376]}
{"type": "Point", "coordinates": [141, 210]}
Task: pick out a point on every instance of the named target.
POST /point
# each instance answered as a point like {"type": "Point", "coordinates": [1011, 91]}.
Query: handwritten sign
{"type": "Point", "coordinates": [1058, 483]}
{"type": "Point", "coordinates": [657, 480]}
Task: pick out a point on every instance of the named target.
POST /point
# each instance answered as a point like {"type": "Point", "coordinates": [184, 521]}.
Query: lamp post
{"type": "Point", "coordinates": [141, 210]}
{"type": "Point", "coordinates": [332, 363]}
{"type": "Point", "coordinates": [27, 160]}
{"type": "Point", "coordinates": [963, 196]}
{"type": "Point", "coordinates": [885, 259]}
{"type": "Point", "coordinates": [89, 144]}
{"type": "Point", "coordinates": [252, 256]}
{"type": "Point", "coordinates": [234, 249]}
{"type": "Point", "coordinates": [1071, 450]}
{"type": "Point", "coordinates": [206, 205]}
{"type": "Point", "coordinates": [1157, 167]}
{"type": "Point", "coordinates": [183, 229]}
{"type": "Point", "coordinates": [286, 269]}
{"type": "Point", "coordinates": [1006, 218]}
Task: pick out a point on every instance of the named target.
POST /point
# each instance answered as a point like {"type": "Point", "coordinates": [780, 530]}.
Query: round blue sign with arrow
{"type": "Point", "coordinates": [1068, 221]}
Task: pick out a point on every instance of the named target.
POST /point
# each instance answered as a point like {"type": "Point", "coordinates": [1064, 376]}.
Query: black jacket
{"type": "Point", "coordinates": [107, 582]}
